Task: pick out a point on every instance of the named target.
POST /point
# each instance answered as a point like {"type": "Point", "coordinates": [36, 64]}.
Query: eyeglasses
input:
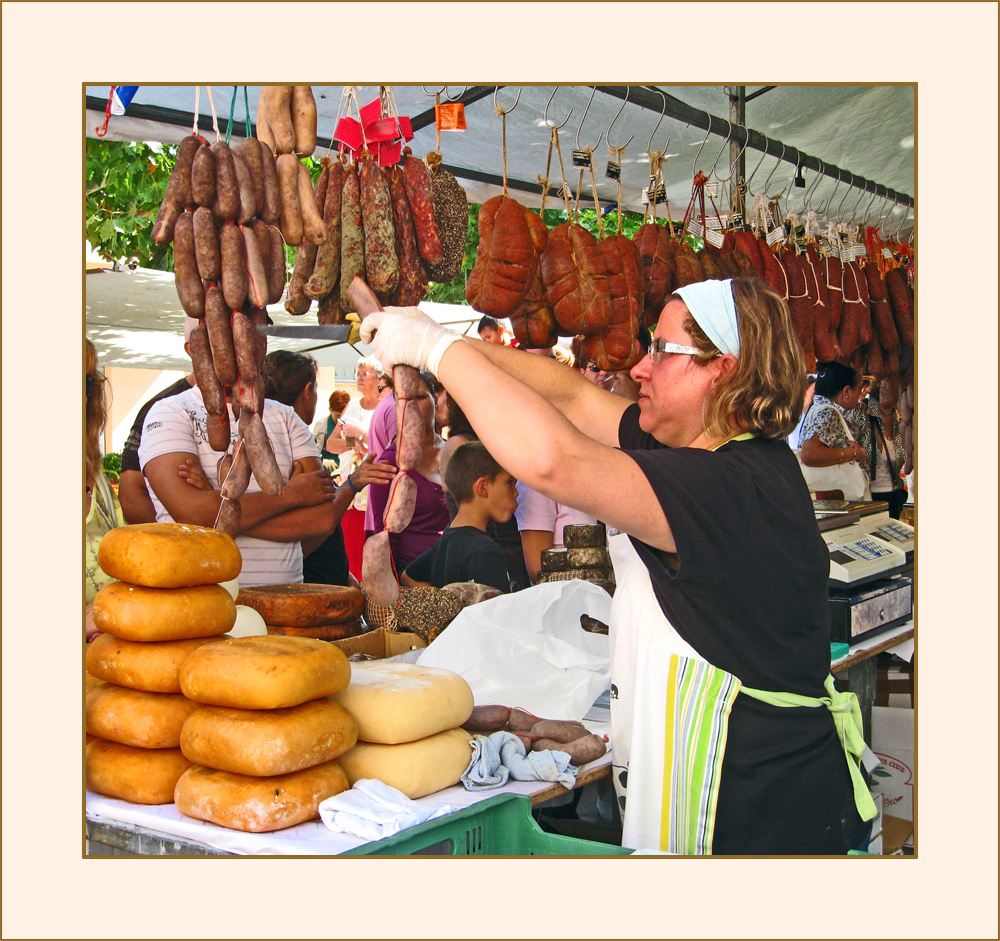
{"type": "Point", "coordinates": [367, 375]}
{"type": "Point", "coordinates": [382, 388]}
{"type": "Point", "coordinates": [657, 348]}
{"type": "Point", "coordinates": [593, 367]}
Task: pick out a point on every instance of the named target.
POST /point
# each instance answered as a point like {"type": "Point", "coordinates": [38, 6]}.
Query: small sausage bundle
{"type": "Point", "coordinates": [286, 119]}
{"type": "Point", "coordinates": [538, 734]}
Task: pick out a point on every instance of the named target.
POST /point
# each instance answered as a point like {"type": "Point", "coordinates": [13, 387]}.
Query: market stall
{"type": "Point", "coordinates": [372, 223]}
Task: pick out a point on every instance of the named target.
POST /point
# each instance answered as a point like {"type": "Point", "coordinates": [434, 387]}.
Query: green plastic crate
{"type": "Point", "coordinates": [497, 826]}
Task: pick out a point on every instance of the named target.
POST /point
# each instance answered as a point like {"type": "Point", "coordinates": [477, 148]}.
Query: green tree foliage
{"type": "Point", "coordinates": [125, 184]}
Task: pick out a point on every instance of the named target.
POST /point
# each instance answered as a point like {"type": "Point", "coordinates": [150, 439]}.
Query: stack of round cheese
{"type": "Point", "coordinates": [409, 726]}
{"type": "Point", "coordinates": [304, 609]}
{"type": "Point", "coordinates": [263, 741]}
{"type": "Point", "coordinates": [167, 603]}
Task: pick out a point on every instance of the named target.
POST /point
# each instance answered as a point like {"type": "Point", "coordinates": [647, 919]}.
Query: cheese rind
{"type": "Point", "coordinates": [134, 612]}
{"type": "Point", "coordinates": [415, 768]}
{"type": "Point", "coordinates": [303, 604]}
{"type": "Point", "coordinates": [153, 666]}
{"type": "Point", "coordinates": [169, 555]}
{"type": "Point", "coordinates": [257, 804]}
{"type": "Point", "coordinates": [137, 718]}
{"type": "Point", "coordinates": [139, 775]}
{"type": "Point", "coordinates": [264, 672]}
{"type": "Point", "coordinates": [403, 702]}
{"type": "Point", "coordinates": [268, 741]}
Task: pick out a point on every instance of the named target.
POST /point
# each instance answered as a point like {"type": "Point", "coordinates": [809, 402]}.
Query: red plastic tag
{"type": "Point", "coordinates": [450, 116]}
{"type": "Point", "coordinates": [349, 134]}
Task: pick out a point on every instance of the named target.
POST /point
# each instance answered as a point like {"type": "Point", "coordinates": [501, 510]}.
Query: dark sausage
{"type": "Point", "coordinates": [420, 192]}
{"type": "Point", "coordinates": [249, 151]}
{"type": "Point", "coordinates": [204, 372]}
{"type": "Point", "coordinates": [262, 461]}
{"type": "Point", "coordinates": [401, 503]}
{"type": "Point", "coordinates": [228, 520]}
{"type": "Point", "coordinates": [487, 719]}
{"type": "Point", "coordinates": [234, 484]}
{"type": "Point", "coordinates": [177, 197]}
{"type": "Point", "coordinates": [270, 209]}
{"type": "Point", "coordinates": [234, 266]}
{"type": "Point", "coordinates": [220, 435]}
{"type": "Point", "coordinates": [248, 357]}
{"type": "Point", "coordinates": [203, 176]}
{"type": "Point", "coordinates": [220, 335]}
{"type": "Point", "coordinates": [226, 207]}
{"type": "Point", "coordinates": [190, 290]}
{"type": "Point", "coordinates": [381, 262]}
{"type": "Point", "coordinates": [352, 246]}
{"type": "Point", "coordinates": [206, 244]}
{"type": "Point", "coordinates": [257, 288]}
{"type": "Point", "coordinates": [327, 267]}
{"type": "Point", "coordinates": [376, 570]}
{"type": "Point", "coordinates": [248, 199]}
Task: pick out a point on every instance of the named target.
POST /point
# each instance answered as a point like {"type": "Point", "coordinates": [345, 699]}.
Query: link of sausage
{"type": "Point", "coordinates": [177, 197]}
{"type": "Point", "coordinates": [401, 503]}
{"type": "Point", "coordinates": [311, 204]}
{"type": "Point", "coordinates": [352, 246]}
{"type": "Point", "coordinates": [235, 483]}
{"type": "Point", "coordinates": [419, 191]}
{"type": "Point", "coordinates": [381, 261]}
{"type": "Point", "coordinates": [229, 518]}
{"type": "Point", "coordinates": [248, 358]}
{"type": "Point", "coordinates": [288, 187]}
{"type": "Point", "coordinates": [220, 435]}
{"type": "Point", "coordinates": [270, 208]}
{"type": "Point", "coordinates": [257, 288]}
{"type": "Point", "coordinates": [234, 266]}
{"type": "Point", "coordinates": [326, 270]}
{"type": "Point", "coordinates": [376, 570]}
{"type": "Point", "coordinates": [190, 290]}
{"type": "Point", "coordinates": [412, 277]}
{"type": "Point", "coordinates": [207, 253]}
{"type": "Point", "coordinates": [203, 176]}
{"type": "Point", "coordinates": [248, 201]}
{"type": "Point", "coordinates": [204, 372]}
{"type": "Point", "coordinates": [249, 151]}
{"type": "Point", "coordinates": [220, 335]}
{"type": "Point", "coordinates": [262, 460]}
{"type": "Point", "coordinates": [226, 207]}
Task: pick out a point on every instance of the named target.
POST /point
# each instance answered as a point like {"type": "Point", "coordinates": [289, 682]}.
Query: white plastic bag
{"type": "Point", "coordinates": [528, 649]}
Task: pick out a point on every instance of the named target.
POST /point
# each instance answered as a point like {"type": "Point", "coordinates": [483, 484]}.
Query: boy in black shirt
{"type": "Point", "coordinates": [484, 491]}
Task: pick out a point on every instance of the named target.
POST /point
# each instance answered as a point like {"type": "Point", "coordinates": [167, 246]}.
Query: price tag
{"type": "Point", "coordinates": [714, 238]}
{"type": "Point", "coordinates": [847, 254]}
{"type": "Point", "coordinates": [581, 158]}
{"type": "Point", "coordinates": [660, 193]}
{"type": "Point", "coordinates": [860, 251]}
{"type": "Point", "coordinates": [776, 235]}
{"type": "Point", "coordinates": [886, 253]}
{"type": "Point", "coordinates": [736, 221]}
{"type": "Point", "coordinates": [613, 171]}
{"type": "Point", "coordinates": [711, 189]}
{"type": "Point", "coordinates": [716, 222]}
{"type": "Point", "coordinates": [565, 193]}
{"type": "Point", "coordinates": [695, 228]}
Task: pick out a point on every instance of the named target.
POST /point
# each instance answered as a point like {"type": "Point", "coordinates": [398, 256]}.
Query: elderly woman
{"type": "Point", "coordinates": [729, 735]}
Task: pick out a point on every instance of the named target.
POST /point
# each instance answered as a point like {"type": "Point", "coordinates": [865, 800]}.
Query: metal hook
{"type": "Point", "coordinates": [607, 135]}
{"type": "Point", "coordinates": [884, 215]}
{"type": "Point", "coordinates": [465, 88]}
{"type": "Point", "coordinates": [694, 166]}
{"type": "Point", "coordinates": [759, 162]}
{"type": "Point", "coordinates": [433, 94]}
{"type": "Point", "coordinates": [663, 111]}
{"type": "Point", "coordinates": [826, 206]}
{"type": "Point", "coordinates": [500, 108]}
{"type": "Point", "coordinates": [864, 193]}
{"type": "Point", "coordinates": [868, 208]}
{"type": "Point", "coordinates": [545, 113]}
{"type": "Point", "coordinates": [775, 167]}
{"type": "Point", "coordinates": [807, 202]}
{"type": "Point", "coordinates": [840, 205]}
{"type": "Point", "coordinates": [732, 168]}
{"type": "Point", "coordinates": [597, 143]}
{"type": "Point", "coordinates": [729, 135]}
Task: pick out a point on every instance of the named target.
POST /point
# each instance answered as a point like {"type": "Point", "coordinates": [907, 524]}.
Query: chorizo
{"type": "Point", "coordinates": [799, 305]}
{"type": "Point", "coordinates": [420, 193]}
{"type": "Point", "coordinates": [413, 282]}
{"type": "Point", "coordinates": [204, 372]}
{"type": "Point", "coordinates": [899, 301]}
{"type": "Point", "coordinates": [226, 207]}
{"type": "Point", "coordinates": [882, 319]}
{"type": "Point", "coordinates": [313, 229]}
{"type": "Point", "coordinates": [178, 196]}
{"type": "Point", "coordinates": [235, 483]}
{"type": "Point", "coordinates": [203, 176]}
{"type": "Point", "coordinates": [261, 456]}
{"type": "Point", "coordinates": [234, 266]}
{"type": "Point", "coordinates": [774, 275]}
{"type": "Point", "coordinates": [746, 242]}
{"type": "Point", "coordinates": [248, 199]}
{"type": "Point", "coordinates": [219, 432]}
{"type": "Point", "coordinates": [229, 518]}
{"type": "Point", "coordinates": [288, 185]}
{"type": "Point", "coordinates": [190, 290]}
{"type": "Point", "coordinates": [326, 269]}
{"type": "Point", "coordinates": [559, 730]}
{"type": "Point", "coordinates": [401, 503]}
{"type": "Point", "coordinates": [278, 113]}
{"type": "Point", "coordinates": [381, 262]}
{"type": "Point", "coordinates": [377, 575]}
{"type": "Point", "coordinates": [248, 359]}
{"type": "Point", "coordinates": [206, 244]}
{"type": "Point", "coordinates": [257, 288]}
{"type": "Point", "coordinates": [833, 277]}
{"type": "Point", "coordinates": [352, 245]}
{"type": "Point", "coordinates": [270, 208]}
{"type": "Point", "coordinates": [220, 335]}
{"type": "Point", "coordinates": [303, 114]}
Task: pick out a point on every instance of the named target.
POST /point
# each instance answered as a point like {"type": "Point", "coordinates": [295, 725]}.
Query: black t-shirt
{"type": "Point", "coordinates": [462, 554]}
{"type": "Point", "coordinates": [749, 593]}
{"type": "Point", "coordinates": [130, 453]}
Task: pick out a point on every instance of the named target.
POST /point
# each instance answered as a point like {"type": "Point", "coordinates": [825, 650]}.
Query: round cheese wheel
{"type": "Point", "coordinates": [415, 768]}
{"type": "Point", "coordinates": [153, 666]}
{"type": "Point", "coordinates": [268, 741]}
{"type": "Point", "coordinates": [139, 775]}
{"type": "Point", "coordinates": [303, 604]}
{"type": "Point", "coordinates": [264, 672]}
{"type": "Point", "coordinates": [403, 702]}
{"type": "Point", "coordinates": [137, 718]}
{"type": "Point", "coordinates": [133, 612]}
{"type": "Point", "coordinates": [169, 555]}
{"type": "Point", "coordinates": [322, 632]}
{"type": "Point", "coordinates": [257, 805]}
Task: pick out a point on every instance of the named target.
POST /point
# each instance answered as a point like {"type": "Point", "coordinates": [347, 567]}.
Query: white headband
{"type": "Point", "coordinates": [713, 308]}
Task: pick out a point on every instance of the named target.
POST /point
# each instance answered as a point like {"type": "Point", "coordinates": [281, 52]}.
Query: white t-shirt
{"type": "Point", "coordinates": [178, 423]}
{"type": "Point", "coordinates": [535, 511]}
{"type": "Point", "coordinates": [354, 414]}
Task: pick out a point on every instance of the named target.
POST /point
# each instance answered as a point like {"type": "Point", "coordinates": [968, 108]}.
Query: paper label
{"type": "Point", "coordinates": [860, 251]}
{"type": "Point", "coordinates": [775, 235]}
{"type": "Point", "coordinates": [716, 222]}
{"type": "Point", "coordinates": [581, 158]}
{"type": "Point", "coordinates": [714, 238]}
{"type": "Point", "coordinates": [847, 254]}
{"type": "Point", "coordinates": [659, 192]}
{"type": "Point", "coordinates": [711, 189]}
{"type": "Point", "coordinates": [886, 253]}
{"type": "Point", "coordinates": [613, 171]}
{"type": "Point", "coordinates": [695, 228]}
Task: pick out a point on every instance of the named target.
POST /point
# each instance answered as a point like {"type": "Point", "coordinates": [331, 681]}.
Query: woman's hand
{"type": "Point", "coordinates": [350, 430]}
{"type": "Point", "coordinates": [191, 470]}
{"type": "Point", "coordinates": [373, 472]}
{"type": "Point", "coordinates": [858, 454]}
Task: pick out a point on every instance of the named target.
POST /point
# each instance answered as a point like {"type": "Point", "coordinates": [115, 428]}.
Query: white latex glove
{"type": "Point", "coordinates": [406, 335]}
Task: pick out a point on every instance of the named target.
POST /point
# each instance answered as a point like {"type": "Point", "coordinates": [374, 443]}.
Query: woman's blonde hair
{"type": "Point", "coordinates": [764, 391]}
{"type": "Point", "coordinates": [96, 411]}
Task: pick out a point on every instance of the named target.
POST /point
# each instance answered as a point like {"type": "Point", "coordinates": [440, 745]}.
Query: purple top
{"type": "Point", "coordinates": [381, 431]}
{"type": "Point", "coordinates": [430, 517]}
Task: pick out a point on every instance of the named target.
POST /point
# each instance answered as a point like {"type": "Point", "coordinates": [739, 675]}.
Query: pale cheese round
{"type": "Point", "coordinates": [139, 775]}
{"type": "Point", "coordinates": [169, 555]}
{"type": "Point", "coordinates": [403, 702]}
{"type": "Point", "coordinates": [268, 741]}
{"type": "Point", "coordinates": [257, 804]}
{"type": "Point", "coordinates": [269, 672]}
{"type": "Point", "coordinates": [137, 718]}
{"type": "Point", "coordinates": [134, 612]}
{"type": "Point", "coordinates": [415, 768]}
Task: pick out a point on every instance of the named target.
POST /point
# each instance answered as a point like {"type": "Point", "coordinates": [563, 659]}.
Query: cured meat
{"type": "Point", "coordinates": [687, 268]}
{"type": "Point", "coordinates": [381, 262]}
{"type": "Point", "coordinates": [619, 345]}
{"type": "Point", "coordinates": [535, 325]}
{"type": "Point", "coordinates": [506, 262]}
{"type": "Point", "coordinates": [832, 272]}
{"type": "Point", "coordinates": [420, 192]}
{"type": "Point", "coordinates": [574, 272]}
{"type": "Point", "coordinates": [774, 274]}
{"type": "Point", "coordinates": [899, 301]}
{"type": "Point", "coordinates": [882, 319]}
{"type": "Point", "coordinates": [412, 277]}
{"type": "Point", "coordinates": [657, 260]}
{"type": "Point", "coordinates": [746, 242]}
{"type": "Point", "coordinates": [801, 306]}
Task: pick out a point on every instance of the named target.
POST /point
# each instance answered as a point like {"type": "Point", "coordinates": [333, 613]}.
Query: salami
{"type": "Point", "coordinates": [412, 278]}
{"type": "Point", "coordinates": [352, 238]}
{"type": "Point", "coordinates": [326, 268]}
{"type": "Point", "coordinates": [381, 262]}
{"type": "Point", "coordinates": [420, 193]}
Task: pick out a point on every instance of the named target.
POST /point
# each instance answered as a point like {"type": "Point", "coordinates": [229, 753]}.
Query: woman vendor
{"type": "Point", "coordinates": [720, 619]}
